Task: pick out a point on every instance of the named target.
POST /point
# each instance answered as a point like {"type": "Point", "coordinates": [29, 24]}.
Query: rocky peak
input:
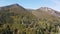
{"type": "Point", "coordinates": [49, 10]}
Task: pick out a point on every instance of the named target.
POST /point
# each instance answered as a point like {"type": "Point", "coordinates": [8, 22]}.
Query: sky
{"type": "Point", "coordinates": [33, 4]}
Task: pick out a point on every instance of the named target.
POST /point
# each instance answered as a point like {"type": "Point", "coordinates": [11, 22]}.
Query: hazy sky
{"type": "Point", "coordinates": [34, 4]}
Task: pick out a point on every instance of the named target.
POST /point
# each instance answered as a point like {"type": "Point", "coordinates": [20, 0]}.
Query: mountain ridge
{"type": "Point", "coordinates": [16, 19]}
{"type": "Point", "coordinates": [17, 6]}
{"type": "Point", "coordinates": [49, 10]}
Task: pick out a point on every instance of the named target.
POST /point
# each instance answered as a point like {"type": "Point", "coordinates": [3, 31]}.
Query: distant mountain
{"type": "Point", "coordinates": [49, 10]}
{"type": "Point", "coordinates": [47, 14]}
{"type": "Point", "coordinates": [13, 8]}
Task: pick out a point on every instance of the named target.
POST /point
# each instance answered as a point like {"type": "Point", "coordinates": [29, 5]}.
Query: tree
{"type": "Point", "coordinates": [7, 30]}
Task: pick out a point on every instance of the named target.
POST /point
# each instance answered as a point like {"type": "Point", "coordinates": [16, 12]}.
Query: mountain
{"type": "Point", "coordinates": [48, 14]}
{"type": "Point", "coordinates": [13, 8]}
{"type": "Point", "coordinates": [49, 10]}
{"type": "Point", "coordinates": [15, 19]}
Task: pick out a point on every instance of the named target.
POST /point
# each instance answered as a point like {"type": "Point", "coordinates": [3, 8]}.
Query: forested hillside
{"type": "Point", "coordinates": [14, 19]}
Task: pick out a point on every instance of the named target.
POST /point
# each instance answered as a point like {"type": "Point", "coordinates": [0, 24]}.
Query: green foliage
{"type": "Point", "coordinates": [26, 23]}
